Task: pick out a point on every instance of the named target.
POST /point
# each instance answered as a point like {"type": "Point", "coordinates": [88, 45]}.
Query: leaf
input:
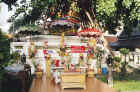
{"type": "Point", "coordinates": [1, 56]}
{"type": "Point", "coordinates": [124, 51]}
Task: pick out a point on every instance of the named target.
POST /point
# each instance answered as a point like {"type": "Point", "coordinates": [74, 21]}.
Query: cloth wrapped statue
{"type": "Point", "coordinates": [48, 66]}
{"type": "Point", "coordinates": [32, 49]}
{"type": "Point", "coordinates": [45, 52]}
{"type": "Point", "coordinates": [81, 60]}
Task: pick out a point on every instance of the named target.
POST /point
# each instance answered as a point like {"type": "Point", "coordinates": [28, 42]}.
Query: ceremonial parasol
{"type": "Point", "coordinates": [72, 19]}
{"type": "Point", "coordinates": [89, 32]}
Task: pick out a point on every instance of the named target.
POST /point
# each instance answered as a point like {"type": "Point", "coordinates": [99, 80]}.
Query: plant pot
{"type": "Point", "coordinates": [91, 73]}
{"type": "Point", "coordinates": [39, 74]}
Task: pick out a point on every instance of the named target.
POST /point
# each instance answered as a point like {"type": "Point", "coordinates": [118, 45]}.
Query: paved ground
{"type": "Point", "coordinates": [46, 85]}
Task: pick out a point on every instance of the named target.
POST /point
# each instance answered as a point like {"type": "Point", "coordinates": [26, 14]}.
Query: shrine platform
{"type": "Point", "coordinates": [45, 85]}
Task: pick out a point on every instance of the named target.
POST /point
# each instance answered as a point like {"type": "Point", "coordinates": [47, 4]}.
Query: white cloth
{"type": "Point", "coordinates": [57, 77]}
{"type": "Point", "coordinates": [93, 63]}
{"type": "Point", "coordinates": [29, 61]}
{"type": "Point", "coordinates": [104, 65]}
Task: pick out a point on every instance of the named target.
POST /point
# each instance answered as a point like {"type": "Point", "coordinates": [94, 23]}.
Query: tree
{"type": "Point", "coordinates": [109, 13]}
{"type": "Point", "coordinates": [4, 51]}
{"type": "Point", "coordinates": [113, 11]}
{"type": "Point", "coordinates": [125, 52]}
{"type": "Point", "coordinates": [28, 12]}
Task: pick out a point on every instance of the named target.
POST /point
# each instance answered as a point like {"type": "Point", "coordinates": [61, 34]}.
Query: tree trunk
{"type": "Point", "coordinates": [107, 49]}
{"type": "Point", "coordinates": [95, 3]}
{"type": "Point", "coordinates": [123, 73]}
{"type": "Point", "coordinates": [133, 58]}
{"type": "Point", "coordinates": [123, 69]}
{"type": "Point", "coordinates": [110, 76]}
{"type": "Point", "coordinates": [125, 59]}
{"type": "Point", "coordinates": [90, 19]}
{"type": "Point", "coordinates": [125, 63]}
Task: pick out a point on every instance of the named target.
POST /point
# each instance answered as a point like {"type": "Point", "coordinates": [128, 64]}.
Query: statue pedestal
{"type": "Point", "coordinates": [39, 74]}
{"type": "Point", "coordinates": [90, 73]}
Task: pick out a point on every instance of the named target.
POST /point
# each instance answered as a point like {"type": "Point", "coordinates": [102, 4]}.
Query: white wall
{"type": "Point", "coordinates": [53, 41]}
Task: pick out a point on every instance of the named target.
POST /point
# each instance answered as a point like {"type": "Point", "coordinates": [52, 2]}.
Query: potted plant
{"type": "Point", "coordinates": [125, 52]}
{"type": "Point", "coordinates": [117, 61]}
{"type": "Point", "coordinates": [15, 57]}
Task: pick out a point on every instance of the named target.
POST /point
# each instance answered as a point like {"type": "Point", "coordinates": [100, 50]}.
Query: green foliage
{"type": "Point", "coordinates": [107, 7]}
{"type": "Point", "coordinates": [28, 12]}
{"type": "Point", "coordinates": [4, 48]}
{"type": "Point", "coordinates": [131, 82]}
{"type": "Point", "coordinates": [15, 57]}
{"type": "Point", "coordinates": [109, 12]}
{"type": "Point", "coordinates": [124, 51]}
{"type": "Point", "coordinates": [4, 51]}
{"type": "Point", "coordinates": [32, 10]}
{"type": "Point", "coordinates": [106, 14]}
{"type": "Point", "coordinates": [16, 24]}
{"type": "Point", "coordinates": [127, 85]}
{"type": "Point", "coordinates": [30, 28]}
{"type": "Point", "coordinates": [117, 59]}
{"type": "Point", "coordinates": [124, 64]}
{"type": "Point", "coordinates": [102, 78]}
{"type": "Point", "coordinates": [20, 24]}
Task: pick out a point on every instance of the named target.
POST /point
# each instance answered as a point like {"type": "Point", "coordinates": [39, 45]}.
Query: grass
{"type": "Point", "coordinates": [131, 85]}
{"type": "Point", "coordinates": [103, 78]}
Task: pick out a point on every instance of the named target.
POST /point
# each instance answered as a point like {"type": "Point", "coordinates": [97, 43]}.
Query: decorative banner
{"type": "Point", "coordinates": [47, 52]}
{"type": "Point", "coordinates": [77, 49]}
{"type": "Point", "coordinates": [50, 52]}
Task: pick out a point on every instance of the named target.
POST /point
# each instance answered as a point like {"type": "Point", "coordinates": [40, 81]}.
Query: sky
{"type": "Point", "coordinates": [4, 16]}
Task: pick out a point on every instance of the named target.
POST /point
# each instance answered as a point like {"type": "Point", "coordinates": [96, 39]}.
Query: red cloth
{"type": "Point", "coordinates": [57, 63]}
{"type": "Point", "coordinates": [45, 51]}
{"type": "Point", "coordinates": [77, 49]}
